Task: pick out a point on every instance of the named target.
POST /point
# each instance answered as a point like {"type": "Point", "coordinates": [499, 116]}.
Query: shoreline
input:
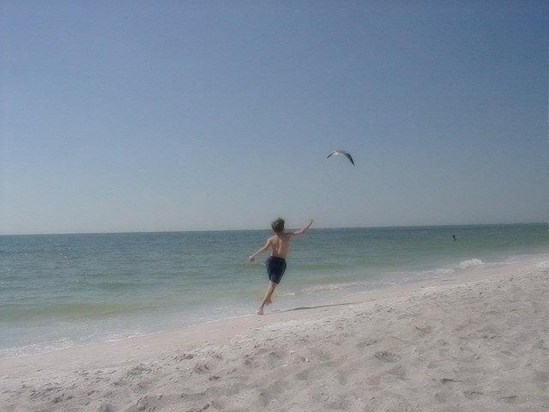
{"type": "Point", "coordinates": [329, 293]}
{"type": "Point", "coordinates": [389, 331]}
{"type": "Point", "coordinates": [140, 286]}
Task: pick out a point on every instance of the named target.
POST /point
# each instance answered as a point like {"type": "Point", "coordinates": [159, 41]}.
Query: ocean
{"type": "Point", "coordinates": [58, 291]}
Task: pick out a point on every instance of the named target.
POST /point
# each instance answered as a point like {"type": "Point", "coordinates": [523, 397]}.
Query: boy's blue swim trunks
{"type": "Point", "coordinates": [276, 266]}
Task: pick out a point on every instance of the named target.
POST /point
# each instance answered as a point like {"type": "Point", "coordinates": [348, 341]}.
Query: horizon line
{"type": "Point", "coordinates": [267, 229]}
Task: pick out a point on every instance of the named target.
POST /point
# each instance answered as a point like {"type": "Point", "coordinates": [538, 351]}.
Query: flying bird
{"type": "Point", "coordinates": [342, 152]}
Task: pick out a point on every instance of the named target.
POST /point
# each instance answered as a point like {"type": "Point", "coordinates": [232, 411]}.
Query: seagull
{"type": "Point", "coordinates": [342, 152]}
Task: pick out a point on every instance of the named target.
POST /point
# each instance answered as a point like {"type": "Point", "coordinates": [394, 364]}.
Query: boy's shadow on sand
{"type": "Point", "coordinates": [317, 307]}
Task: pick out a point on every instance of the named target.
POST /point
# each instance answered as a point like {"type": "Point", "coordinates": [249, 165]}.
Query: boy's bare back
{"type": "Point", "coordinates": [280, 244]}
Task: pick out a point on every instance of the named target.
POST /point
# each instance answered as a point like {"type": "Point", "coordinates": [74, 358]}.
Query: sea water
{"type": "Point", "coordinates": [58, 291]}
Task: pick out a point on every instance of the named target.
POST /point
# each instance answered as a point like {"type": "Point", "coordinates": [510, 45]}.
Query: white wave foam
{"type": "Point", "coordinates": [36, 348]}
{"type": "Point", "coordinates": [543, 265]}
{"type": "Point", "coordinates": [471, 263]}
{"type": "Point", "coordinates": [435, 272]}
{"type": "Point", "coordinates": [331, 287]}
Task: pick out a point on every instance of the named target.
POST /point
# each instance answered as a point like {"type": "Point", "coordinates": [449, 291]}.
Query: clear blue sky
{"type": "Point", "coordinates": [191, 115]}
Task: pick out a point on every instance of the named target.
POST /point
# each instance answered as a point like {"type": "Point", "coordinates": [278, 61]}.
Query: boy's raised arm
{"type": "Point", "coordinates": [263, 249]}
{"type": "Point", "coordinates": [304, 229]}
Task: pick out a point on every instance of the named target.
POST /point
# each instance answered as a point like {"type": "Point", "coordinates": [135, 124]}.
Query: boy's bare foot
{"type": "Point", "coordinates": [260, 310]}
{"type": "Point", "coordinates": [268, 301]}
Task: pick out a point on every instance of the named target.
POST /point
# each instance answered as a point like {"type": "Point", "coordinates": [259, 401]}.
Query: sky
{"type": "Point", "coordinates": [191, 115]}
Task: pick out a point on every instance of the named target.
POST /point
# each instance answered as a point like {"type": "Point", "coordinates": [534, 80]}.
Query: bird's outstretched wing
{"type": "Point", "coordinates": [350, 158]}
{"type": "Point", "coordinates": [342, 152]}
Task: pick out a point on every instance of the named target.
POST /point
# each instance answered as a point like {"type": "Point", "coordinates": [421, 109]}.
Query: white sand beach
{"type": "Point", "coordinates": [476, 341]}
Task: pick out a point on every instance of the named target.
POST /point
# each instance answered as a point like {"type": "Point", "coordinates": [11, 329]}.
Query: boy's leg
{"type": "Point", "coordinates": [269, 295]}
{"type": "Point", "coordinates": [267, 299]}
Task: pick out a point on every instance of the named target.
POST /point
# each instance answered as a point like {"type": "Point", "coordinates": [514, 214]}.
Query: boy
{"type": "Point", "coordinates": [276, 263]}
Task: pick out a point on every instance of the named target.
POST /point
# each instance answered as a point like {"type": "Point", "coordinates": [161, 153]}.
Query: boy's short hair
{"type": "Point", "coordinates": [278, 225]}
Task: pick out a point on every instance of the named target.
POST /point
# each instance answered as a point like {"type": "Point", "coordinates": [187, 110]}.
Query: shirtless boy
{"type": "Point", "coordinates": [276, 263]}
